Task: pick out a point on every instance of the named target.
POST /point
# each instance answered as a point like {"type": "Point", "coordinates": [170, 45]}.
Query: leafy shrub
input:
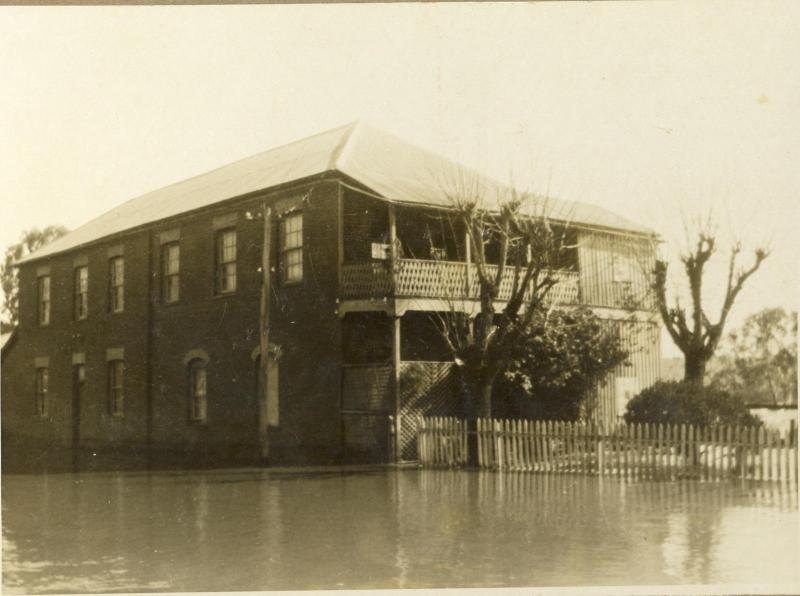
{"type": "Point", "coordinates": [680, 402]}
{"type": "Point", "coordinates": [564, 355]}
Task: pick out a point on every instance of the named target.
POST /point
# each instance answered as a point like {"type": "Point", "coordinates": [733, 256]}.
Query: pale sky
{"type": "Point", "coordinates": [651, 109]}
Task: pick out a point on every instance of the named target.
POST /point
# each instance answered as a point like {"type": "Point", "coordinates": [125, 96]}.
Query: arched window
{"type": "Point", "coordinates": [198, 394]}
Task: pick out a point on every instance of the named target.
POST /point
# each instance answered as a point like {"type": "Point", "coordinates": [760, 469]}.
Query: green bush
{"type": "Point", "coordinates": [564, 355]}
{"type": "Point", "coordinates": [674, 402]}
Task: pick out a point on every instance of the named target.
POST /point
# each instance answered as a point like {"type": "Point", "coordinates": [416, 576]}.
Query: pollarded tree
{"type": "Point", "coordinates": [30, 241]}
{"type": "Point", "coordinates": [525, 245]}
{"type": "Point", "coordinates": [693, 332]}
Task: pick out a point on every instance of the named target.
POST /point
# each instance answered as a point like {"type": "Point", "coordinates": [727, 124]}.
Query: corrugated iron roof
{"type": "Point", "coordinates": [390, 167]}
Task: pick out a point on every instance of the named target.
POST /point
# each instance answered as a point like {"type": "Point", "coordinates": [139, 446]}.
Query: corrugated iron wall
{"type": "Point", "coordinates": [643, 342]}
{"type": "Point", "coordinates": [600, 286]}
{"type": "Point", "coordinates": [615, 273]}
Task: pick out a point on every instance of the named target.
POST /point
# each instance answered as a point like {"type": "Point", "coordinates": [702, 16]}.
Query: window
{"type": "Point", "coordinates": [116, 284]}
{"type": "Point", "coordinates": [116, 387]}
{"type": "Point", "coordinates": [291, 254]}
{"type": "Point", "coordinates": [225, 274]}
{"type": "Point", "coordinates": [81, 284]}
{"type": "Point", "coordinates": [170, 269]}
{"type": "Point", "coordinates": [621, 268]}
{"type": "Point", "coordinates": [44, 299]}
{"type": "Point", "coordinates": [197, 390]}
{"type": "Point", "coordinates": [42, 382]}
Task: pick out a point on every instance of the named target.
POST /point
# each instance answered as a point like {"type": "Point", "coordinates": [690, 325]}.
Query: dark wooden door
{"type": "Point", "coordinates": [78, 392]}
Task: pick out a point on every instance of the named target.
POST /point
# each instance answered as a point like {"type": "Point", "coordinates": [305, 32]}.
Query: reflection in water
{"type": "Point", "coordinates": [267, 529]}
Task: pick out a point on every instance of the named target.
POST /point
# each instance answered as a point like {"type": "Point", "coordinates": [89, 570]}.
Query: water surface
{"type": "Point", "coordinates": [378, 528]}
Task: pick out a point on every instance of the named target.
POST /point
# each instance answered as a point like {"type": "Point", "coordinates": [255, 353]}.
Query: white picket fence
{"type": "Point", "coordinates": [628, 450]}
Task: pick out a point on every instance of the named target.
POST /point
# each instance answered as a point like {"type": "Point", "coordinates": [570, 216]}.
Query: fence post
{"type": "Point", "coordinates": [793, 452]}
{"type": "Point", "coordinates": [739, 440]}
{"type": "Point", "coordinates": [479, 442]}
{"type": "Point", "coordinates": [437, 441]}
{"type": "Point", "coordinates": [680, 460]}
{"type": "Point", "coordinates": [510, 444]}
{"type": "Point", "coordinates": [541, 444]}
{"type": "Point", "coordinates": [421, 451]}
{"type": "Point", "coordinates": [492, 442]}
{"type": "Point", "coordinates": [421, 440]}
{"type": "Point", "coordinates": [598, 431]}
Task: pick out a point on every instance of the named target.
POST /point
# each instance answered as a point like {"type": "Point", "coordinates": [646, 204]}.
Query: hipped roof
{"type": "Point", "coordinates": [390, 167]}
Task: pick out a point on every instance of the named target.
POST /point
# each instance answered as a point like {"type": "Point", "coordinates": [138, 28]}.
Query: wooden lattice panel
{"type": "Point", "coordinates": [367, 388]}
{"type": "Point", "coordinates": [366, 280]}
{"type": "Point", "coordinates": [564, 292]}
{"type": "Point", "coordinates": [431, 279]}
{"type": "Point", "coordinates": [438, 279]}
{"type": "Point", "coordinates": [426, 389]}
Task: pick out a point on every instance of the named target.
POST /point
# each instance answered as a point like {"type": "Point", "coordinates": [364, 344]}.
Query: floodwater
{"type": "Point", "coordinates": [378, 528]}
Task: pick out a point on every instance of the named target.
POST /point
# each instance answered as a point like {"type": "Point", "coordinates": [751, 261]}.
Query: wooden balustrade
{"type": "Point", "coordinates": [413, 278]}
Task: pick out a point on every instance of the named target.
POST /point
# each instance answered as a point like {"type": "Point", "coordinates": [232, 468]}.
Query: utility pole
{"type": "Point", "coordinates": [263, 409]}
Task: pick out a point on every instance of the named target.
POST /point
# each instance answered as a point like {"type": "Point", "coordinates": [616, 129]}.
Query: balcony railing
{"type": "Point", "coordinates": [413, 278]}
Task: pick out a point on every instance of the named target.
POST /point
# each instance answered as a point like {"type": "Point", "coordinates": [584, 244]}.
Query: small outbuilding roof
{"type": "Point", "coordinates": [396, 170]}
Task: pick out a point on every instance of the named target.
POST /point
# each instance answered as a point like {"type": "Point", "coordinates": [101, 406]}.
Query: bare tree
{"type": "Point", "coordinates": [511, 292]}
{"type": "Point", "coordinates": [693, 332]}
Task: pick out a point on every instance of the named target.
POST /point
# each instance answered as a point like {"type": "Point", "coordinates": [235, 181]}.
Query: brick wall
{"type": "Point", "coordinates": [157, 339]}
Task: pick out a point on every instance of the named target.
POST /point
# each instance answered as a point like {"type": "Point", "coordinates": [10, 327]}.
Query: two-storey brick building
{"type": "Point", "coordinates": [139, 331]}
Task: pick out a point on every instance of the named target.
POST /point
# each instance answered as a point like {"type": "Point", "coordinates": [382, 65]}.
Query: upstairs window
{"type": "Point", "coordinates": [116, 387]}
{"type": "Point", "coordinates": [171, 266]}
{"type": "Point", "coordinates": [197, 390]}
{"type": "Point", "coordinates": [43, 283]}
{"type": "Point", "coordinates": [225, 270]}
{"type": "Point", "coordinates": [116, 284]}
{"type": "Point", "coordinates": [81, 284]}
{"type": "Point", "coordinates": [291, 248]}
{"type": "Point", "coordinates": [622, 268]}
{"type": "Point", "coordinates": [42, 382]}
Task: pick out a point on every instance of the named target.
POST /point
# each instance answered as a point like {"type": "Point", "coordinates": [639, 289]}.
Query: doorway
{"type": "Point", "coordinates": [78, 392]}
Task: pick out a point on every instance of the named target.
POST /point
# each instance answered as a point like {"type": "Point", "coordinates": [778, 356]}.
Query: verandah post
{"type": "Point", "coordinates": [481, 454]}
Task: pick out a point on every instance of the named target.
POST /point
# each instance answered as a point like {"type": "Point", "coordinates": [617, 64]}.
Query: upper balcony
{"type": "Point", "coordinates": [432, 279]}
{"type": "Point", "coordinates": [398, 258]}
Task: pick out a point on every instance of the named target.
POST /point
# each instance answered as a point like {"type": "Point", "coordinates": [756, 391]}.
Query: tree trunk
{"type": "Point", "coordinates": [484, 400]}
{"type": "Point", "coordinates": [694, 370]}
{"type": "Point", "coordinates": [481, 407]}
